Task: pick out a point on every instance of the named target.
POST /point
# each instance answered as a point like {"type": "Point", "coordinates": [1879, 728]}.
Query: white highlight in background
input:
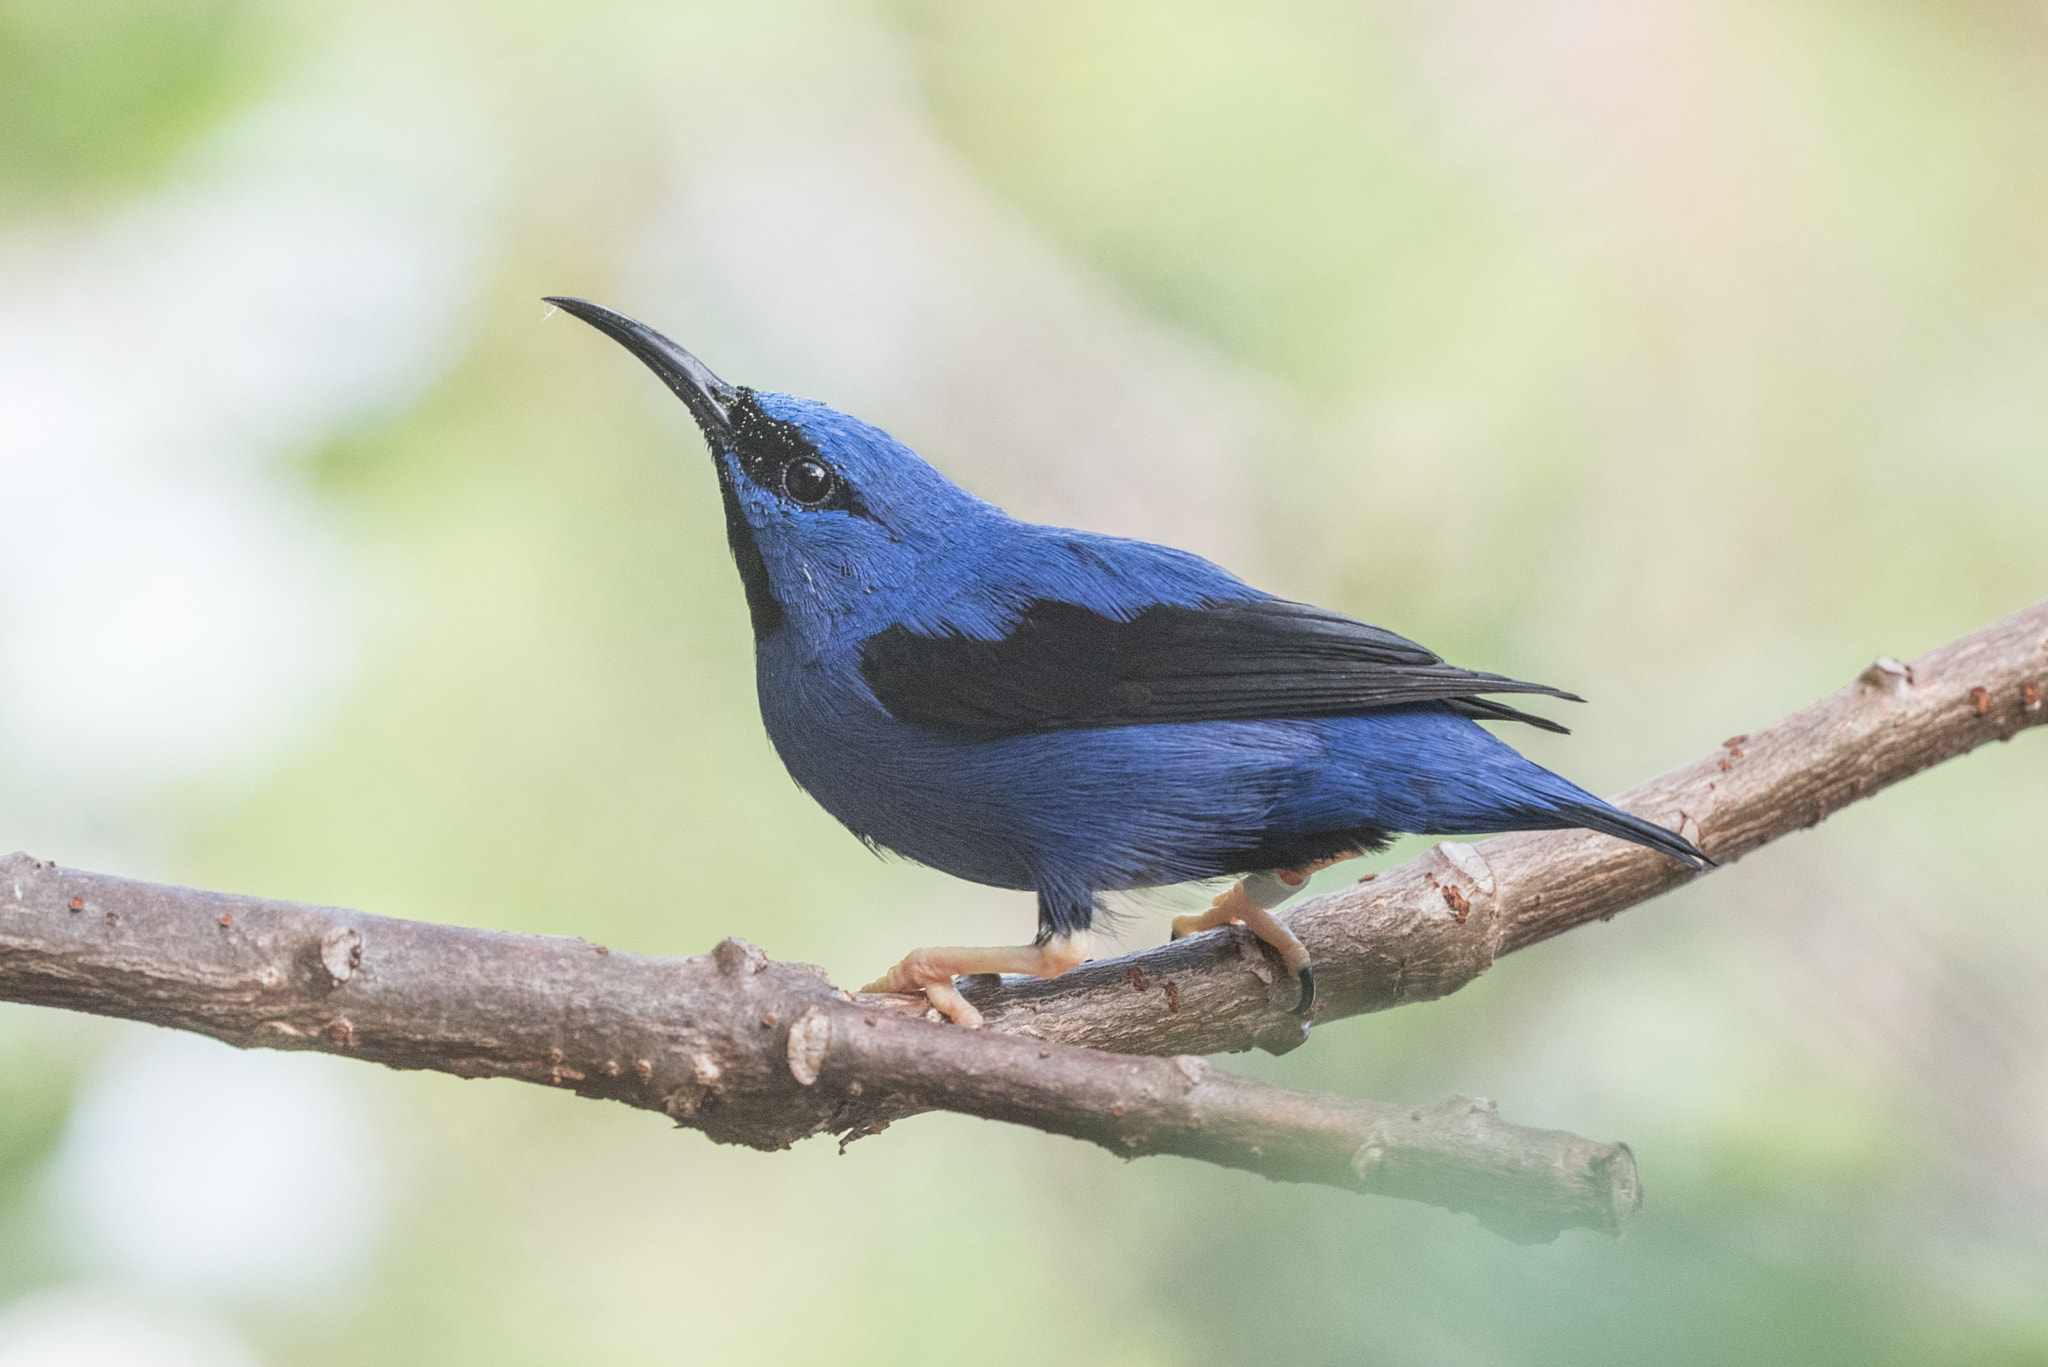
{"type": "Point", "coordinates": [175, 602]}
{"type": "Point", "coordinates": [84, 1327]}
{"type": "Point", "coordinates": [188, 1166]}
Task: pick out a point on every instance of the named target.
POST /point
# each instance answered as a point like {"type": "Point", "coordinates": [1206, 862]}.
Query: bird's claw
{"type": "Point", "coordinates": [932, 970]}
{"type": "Point", "coordinates": [916, 975]}
{"type": "Point", "coordinates": [1308, 991]}
{"type": "Point", "coordinates": [1289, 948]}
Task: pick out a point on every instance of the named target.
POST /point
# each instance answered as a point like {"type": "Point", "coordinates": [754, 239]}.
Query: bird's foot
{"type": "Point", "coordinates": [931, 971]}
{"type": "Point", "coordinates": [1249, 903]}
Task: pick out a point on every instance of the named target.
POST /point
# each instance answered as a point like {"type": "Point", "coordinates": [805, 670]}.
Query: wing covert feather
{"type": "Point", "coordinates": [1065, 667]}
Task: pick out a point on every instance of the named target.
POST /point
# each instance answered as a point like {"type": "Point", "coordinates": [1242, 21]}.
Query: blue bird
{"type": "Point", "coordinates": [1037, 708]}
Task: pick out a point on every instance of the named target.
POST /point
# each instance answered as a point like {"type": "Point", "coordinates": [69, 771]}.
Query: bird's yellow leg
{"type": "Point", "coordinates": [1249, 902]}
{"type": "Point", "coordinates": [932, 970]}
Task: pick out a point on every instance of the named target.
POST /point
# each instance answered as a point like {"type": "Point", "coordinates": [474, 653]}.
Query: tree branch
{"type": "Point", "coordinates": [746, 1050]}
{"type": "Point", "coordinates": [763, 1053]}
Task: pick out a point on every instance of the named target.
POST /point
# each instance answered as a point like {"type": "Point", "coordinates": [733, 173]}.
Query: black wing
{"type": "Point", "coordinates": [1065, 668]}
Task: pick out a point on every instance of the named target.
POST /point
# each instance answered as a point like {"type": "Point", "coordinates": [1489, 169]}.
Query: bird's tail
{"type": "Point", "coordinates": [1599, 816]}
{"type": "Point", "coordinates": [1400, 759]}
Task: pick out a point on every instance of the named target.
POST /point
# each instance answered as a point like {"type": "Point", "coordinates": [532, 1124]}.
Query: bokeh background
{"type": "Point", "coordinates": [1687, 354]}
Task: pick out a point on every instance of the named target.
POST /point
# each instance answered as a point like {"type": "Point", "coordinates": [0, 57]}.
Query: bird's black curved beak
{"type": "Point", "coordinates": [708, 398]}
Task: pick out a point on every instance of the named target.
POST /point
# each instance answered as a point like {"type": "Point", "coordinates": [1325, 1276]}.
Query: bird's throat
{"type": "Point", "coordinates": [762, 606]}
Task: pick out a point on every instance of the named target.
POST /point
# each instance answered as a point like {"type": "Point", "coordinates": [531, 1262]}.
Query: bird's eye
{"type": "Point", "coordinates": [808, 481]}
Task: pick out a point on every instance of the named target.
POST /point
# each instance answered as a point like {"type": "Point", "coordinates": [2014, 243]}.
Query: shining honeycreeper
{"type": "Point", "coordinates": [1035, 707]}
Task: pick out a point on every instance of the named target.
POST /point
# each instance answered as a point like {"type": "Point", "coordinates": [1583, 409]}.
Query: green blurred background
{"type": "Point", "coordinates": [1688, 355]}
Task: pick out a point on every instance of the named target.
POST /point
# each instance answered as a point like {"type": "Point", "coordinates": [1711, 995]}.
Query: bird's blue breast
{"type": "Point", "coordinates": [1091, 809]}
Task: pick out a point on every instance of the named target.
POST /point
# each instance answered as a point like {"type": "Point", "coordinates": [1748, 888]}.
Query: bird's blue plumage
{"type": "Point", "coordinates": [1037, 707]}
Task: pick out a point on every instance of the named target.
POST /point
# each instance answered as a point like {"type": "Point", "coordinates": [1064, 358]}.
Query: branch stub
{"type": "Point", "coordinates": [810, 1035]}
{"type": "Point", "coordinates": [341, 953]}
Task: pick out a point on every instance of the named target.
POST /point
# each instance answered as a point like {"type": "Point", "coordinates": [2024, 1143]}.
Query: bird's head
{"type": "Point", "coordinates": [830, 520]}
